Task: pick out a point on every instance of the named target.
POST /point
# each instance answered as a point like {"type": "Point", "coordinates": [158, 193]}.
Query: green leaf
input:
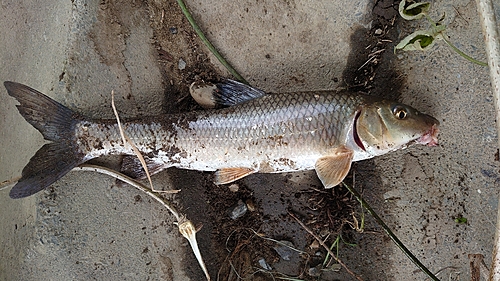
{"type": "Point", "coordinates": [413, 11]}
{"type": "Point", "coordinates": [461, 220]}
{"type": "Point", "coordinates": [419, 40]}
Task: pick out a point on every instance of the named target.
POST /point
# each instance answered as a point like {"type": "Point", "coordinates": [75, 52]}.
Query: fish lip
{"type": "Point", "coordinates": [430, 137]}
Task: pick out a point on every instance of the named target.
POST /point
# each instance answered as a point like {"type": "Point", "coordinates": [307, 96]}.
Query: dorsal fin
{"type": "Point", "coordinates": [230, 92]}
{"type": "Point", "coordinates": [223, 94]}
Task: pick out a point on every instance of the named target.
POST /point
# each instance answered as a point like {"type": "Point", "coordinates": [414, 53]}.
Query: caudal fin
{"type": "Point", "coordinates": [56, 123]}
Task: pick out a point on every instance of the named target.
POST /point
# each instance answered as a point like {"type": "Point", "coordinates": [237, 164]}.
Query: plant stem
{"type": "Point", "coordinates": [322, 243]}
{"type": "Point", "coordinates": [391, 234]}
{"type": "Point", "coordinates": [464, 55]}
{"type": "Point", "coordinates": [445, 38]}
{"type": "Point", "coordinates": [207, 43]}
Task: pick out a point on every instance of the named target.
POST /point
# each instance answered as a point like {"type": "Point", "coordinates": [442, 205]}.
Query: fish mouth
{"type": "Point", "coordinates": [430, 137]}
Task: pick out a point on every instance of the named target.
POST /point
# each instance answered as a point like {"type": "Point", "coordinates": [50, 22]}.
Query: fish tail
{"type": "Point", "coordinates": [56, 123]}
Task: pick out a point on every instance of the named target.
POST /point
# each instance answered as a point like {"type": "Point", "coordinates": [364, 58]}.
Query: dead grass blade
{"type": "Point", "coordinates": [391, 235]}
{"type": "Point", "coordinates": [126, 140]}
{"type": "Point", "coordinates": [9, 183]}
{"type": "Point", "coordinates": [207, 43]}
{"type": "Point", "coordinates": [132, 182]}
{"type": "Point", "coordinates": [186, 227]}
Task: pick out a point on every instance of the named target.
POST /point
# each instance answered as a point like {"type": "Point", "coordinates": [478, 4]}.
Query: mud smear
{"type": "Point", "coordinates": [371, 66]}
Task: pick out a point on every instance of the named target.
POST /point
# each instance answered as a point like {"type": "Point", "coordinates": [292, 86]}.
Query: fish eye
{"type": "Point", "coordinates": [400, 112]}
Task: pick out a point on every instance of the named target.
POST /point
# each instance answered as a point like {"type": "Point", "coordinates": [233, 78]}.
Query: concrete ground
{"type": "Point", "coordinates": [87, 227]}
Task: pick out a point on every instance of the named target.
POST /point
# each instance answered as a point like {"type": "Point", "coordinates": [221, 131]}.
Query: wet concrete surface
{"type": "Point", "coordinates": [87, 227]}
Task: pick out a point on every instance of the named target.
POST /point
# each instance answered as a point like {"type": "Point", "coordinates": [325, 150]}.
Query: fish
{"type": "Point", "coordinates": [249, 132]}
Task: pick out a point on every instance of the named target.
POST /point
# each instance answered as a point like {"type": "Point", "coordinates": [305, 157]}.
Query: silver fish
{"type": "Point", "coordinates": [256, 132]}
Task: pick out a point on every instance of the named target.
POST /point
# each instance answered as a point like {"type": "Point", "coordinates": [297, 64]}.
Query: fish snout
{"type": "Point", "coordinates": [431, 121]}
{"type": "Point", "coordinates": [430, 137]}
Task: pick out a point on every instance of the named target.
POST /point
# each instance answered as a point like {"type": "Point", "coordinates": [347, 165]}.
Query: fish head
{"type": "Point", "coordinates": [384, 126]}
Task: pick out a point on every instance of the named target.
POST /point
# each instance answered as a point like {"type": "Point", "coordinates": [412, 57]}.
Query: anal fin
{"type": "Point", "coordinates": [132, 167]}
{"type": "Point", "coordinates": [333, 168]}
{"type": "Point", "coordinates": [228, 175]}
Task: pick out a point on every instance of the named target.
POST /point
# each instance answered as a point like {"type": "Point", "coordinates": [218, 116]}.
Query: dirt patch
{"type": "Point", "coordinates": [373, 69]}
{"type": "Point", "coordinates": [181, 55]}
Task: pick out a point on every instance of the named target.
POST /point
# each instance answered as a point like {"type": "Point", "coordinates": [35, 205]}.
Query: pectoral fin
{"type": "Point", "coordinates": [228, 175]}
{"type": "Point", "coordinates": [333, 168]}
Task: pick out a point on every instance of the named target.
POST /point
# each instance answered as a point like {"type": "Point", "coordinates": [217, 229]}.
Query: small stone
{"type": "Point", "coordinates": [173, 30]}
{"type": "Point", "coordinates": [234, 187]}
{"type": "Point", "coordinates": [264, 265]}
{"type": "Point", "coordinates": [314, 272]}
{"type": "Point", "coordinates": [334, 267]}
{"type": "Point", "coordinates": [378, 31]}
{"type": "Point", "coordinates": [250, 205]}
{"type": "Point", "coordinates": [314, 245]}
{"type": "Point", "coordinates": [284, 249]}
{"type": "Point", "coordinates": [182, 64]}
{"type": "Point", "coordinates": [239, 210]}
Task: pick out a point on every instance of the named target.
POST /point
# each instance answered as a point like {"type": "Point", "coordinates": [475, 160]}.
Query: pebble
{"type": "Point", "coordinates": [234, 187]}
{"type": "Point", "coordinates": [182, 64]}
{"type": "Point", "coordinates": [264, 265]}
{"type": "Point", "coordinates": [283, 249]}
{"type": "Point", "coordinates": [314, 272]}
{"type": "Point", "coordinates": [314, 245]}
{"type": "Point", "coordinates": [239, 210]}
{"type": "Point", "coordinates": [250, 205]}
